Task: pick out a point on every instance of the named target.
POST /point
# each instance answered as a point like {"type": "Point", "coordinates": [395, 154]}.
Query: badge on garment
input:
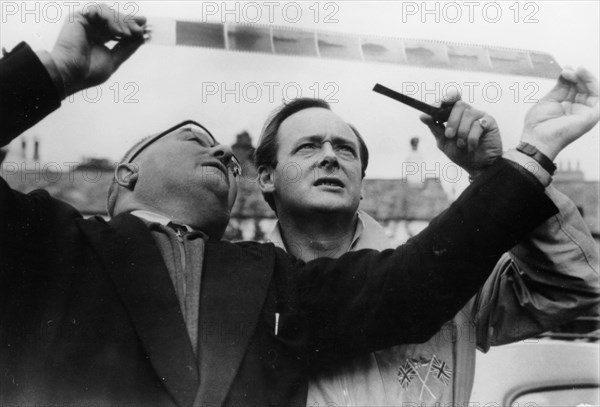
{"type": "Point", "coordinates": [421, 375]}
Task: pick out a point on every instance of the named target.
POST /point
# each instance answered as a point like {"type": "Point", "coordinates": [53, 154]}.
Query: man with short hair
{"type": "Point", "coordinates": [546, 280]}
{"type": "Point", "coordinates": [152, 308]}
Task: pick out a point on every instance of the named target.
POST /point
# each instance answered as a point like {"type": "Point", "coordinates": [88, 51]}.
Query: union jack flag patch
{"type": "Point", "coordinates": [441, 370]}
{"type": "Point", "coordinates": [405, 374]}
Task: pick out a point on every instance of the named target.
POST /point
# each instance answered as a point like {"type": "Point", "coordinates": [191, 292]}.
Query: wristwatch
{"type": "Point", "coordinates": [541, 158]}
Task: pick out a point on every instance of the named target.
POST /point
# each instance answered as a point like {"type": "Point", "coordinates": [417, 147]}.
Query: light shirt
{"type": "Point", "coordinates": [368, 235]}
{"type": "Point", "coordinates": [154, 217]}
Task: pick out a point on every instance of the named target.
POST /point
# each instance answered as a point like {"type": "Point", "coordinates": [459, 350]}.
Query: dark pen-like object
{"type": "Point", "coordinates": [439, 114]}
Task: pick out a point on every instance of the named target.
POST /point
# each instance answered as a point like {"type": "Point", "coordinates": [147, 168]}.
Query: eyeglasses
{"type": "Point", "coordinates": [199, 131]}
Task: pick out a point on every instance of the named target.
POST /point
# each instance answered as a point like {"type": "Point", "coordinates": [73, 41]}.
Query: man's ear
{"type": "Point", "coordinates": [127, 175]}
{"type": "Point", "coordinates": [265, 179]}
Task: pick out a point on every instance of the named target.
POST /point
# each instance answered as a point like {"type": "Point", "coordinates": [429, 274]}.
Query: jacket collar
{"type": "Point", "coordinates": [133, 262]}
{"type": "Point", "coordinates": [234, 289]}
{"type": "Point", "coordinates": [368, 235]}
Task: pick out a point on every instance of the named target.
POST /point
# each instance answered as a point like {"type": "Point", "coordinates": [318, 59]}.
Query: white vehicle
{"type": "Point", "coordinates": [557, 369]}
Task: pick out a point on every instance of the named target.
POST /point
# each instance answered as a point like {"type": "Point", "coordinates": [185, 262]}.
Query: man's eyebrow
{"type": "Point", "coordinates": [200, 136]}
{"type": "Point", "coordinates": [344, 140]}
{"type": "Point", "coordinates": [319, 138]}
{"type": "Point", "coordinates": [313, 138]}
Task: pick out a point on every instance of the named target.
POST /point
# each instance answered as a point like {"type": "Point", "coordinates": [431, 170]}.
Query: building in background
{"type": "Point", "coordinates": [403, 208]}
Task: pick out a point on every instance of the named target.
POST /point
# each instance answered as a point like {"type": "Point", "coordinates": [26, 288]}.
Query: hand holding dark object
{"type": "Point", "coordinates": [440, 114]}
{"type": "Point", "coordinates": [567, 112]}
{"type": "Point", "coordinates": [80, 53]}
{"type": "Point", "coordinates": [470, 138]}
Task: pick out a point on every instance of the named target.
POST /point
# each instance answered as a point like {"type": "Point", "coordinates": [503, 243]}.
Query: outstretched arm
{"type": "Point", "coordinates": [369, 301]}
{"type": "Point", "coordinates": [552, 275]}
{"type": "Point", "coordinates": [32, 85]}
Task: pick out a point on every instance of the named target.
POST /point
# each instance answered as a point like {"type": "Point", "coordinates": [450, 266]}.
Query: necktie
{"type": "Point", "coordinates": [179, 229]}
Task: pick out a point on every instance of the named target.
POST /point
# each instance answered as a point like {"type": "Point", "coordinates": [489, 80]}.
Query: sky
{"type": "Point", "coordinates": [231, 92]}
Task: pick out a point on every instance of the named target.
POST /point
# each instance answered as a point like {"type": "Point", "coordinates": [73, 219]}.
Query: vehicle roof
{"type": "Point", "coordinates": [542, 363]}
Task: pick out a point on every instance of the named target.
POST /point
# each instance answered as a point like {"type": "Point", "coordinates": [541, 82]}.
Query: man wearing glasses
{"type": "Point", "coordinates": [152, 308]}
{"type": "Point", "coordinates": [192, 164]}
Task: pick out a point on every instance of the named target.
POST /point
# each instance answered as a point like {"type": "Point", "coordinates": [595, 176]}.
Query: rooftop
{"type": "Point", "coordinates": [85, 188]}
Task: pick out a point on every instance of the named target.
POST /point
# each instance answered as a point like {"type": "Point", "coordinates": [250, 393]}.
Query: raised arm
{"type": "Point", "coordinates": [32, 85]}
{"type": "Point", "coordinates": [372, 301]}
{"type": "Point", "coordinates": [368, 300]}
{"type": "Point", "coordinates": [552, 276]}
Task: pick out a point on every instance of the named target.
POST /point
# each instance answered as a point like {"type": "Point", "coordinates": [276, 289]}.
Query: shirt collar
{"type": "Point", "coordinates": [368, 234]}
{"type": "Point", "coordinates": [154, 217]}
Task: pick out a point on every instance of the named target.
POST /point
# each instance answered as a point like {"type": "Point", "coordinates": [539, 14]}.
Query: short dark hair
{"type": "Point", "coordinates": [266, 151]}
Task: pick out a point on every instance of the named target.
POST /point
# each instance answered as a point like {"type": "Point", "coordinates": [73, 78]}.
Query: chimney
{"type": "Point", "coordinates": [414, 143]}
{"type": "Point", "coordinates": [36, 150]}
{"type": "Point", "coordinates": [244, 151]}
{"type": "Point", "coordinates": [24, 148]}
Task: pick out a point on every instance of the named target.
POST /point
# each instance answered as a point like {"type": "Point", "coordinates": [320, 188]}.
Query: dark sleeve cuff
{"type": "Point", "coordinates": [27, 92]}
{"type": "Point", "coordinates": [530, 165]}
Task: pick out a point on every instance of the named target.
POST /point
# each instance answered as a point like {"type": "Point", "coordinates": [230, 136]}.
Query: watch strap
{"type": "Point", "coordinates": [541, 158]}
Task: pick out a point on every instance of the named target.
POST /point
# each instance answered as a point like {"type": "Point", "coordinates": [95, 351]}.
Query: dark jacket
{"type": "Point", "coordinates": [88, 312]}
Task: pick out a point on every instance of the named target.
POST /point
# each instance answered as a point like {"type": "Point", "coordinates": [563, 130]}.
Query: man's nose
{"type": "Point", "coordinates": [222, 152]}
{"type": "Point", "coordinates": [328, 156]}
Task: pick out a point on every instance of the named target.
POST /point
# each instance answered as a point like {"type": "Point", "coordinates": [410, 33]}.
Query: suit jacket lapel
{"type": "Point", "coordinates": [134, 264]}
{"type": "Point", "coordinates": [234, 287]}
